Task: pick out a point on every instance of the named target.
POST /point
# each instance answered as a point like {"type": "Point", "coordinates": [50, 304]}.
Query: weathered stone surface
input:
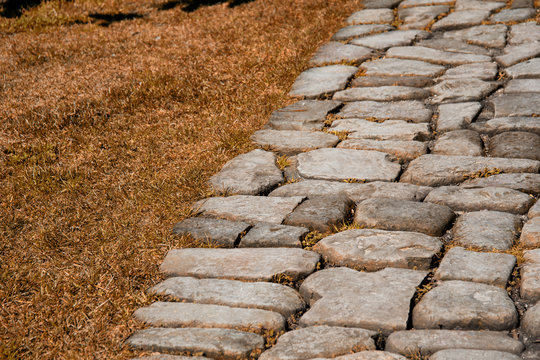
{"type": "Point", "coordinates": [534, 211]}
{"type": "Point", "coordinates": [377, 301]}
{"type": "Point", "coordinates": [516, 144]}
{"type": "Point", "coordinates": [460, 19]}
{"type": "Point", "coordinates": [335, 52]}
{"type": "Point", "coordinates": [379, 4]}
{"type": "Point", "coordinates": [474, 199]}
{"type": "Point", "coordinates": [484, 35]}
{"type": "Point", "coordinates": [526, 69]}
{"type": "Point", "coordinates": [343, 164]}
{"type": "Point", "coordinates": [258, 295]}
{"type": "Point", "coordinates": [401, 67]}
{"type": "Point", "coordinates": [411, 110]}
{"type": "Point", "coordinates": [481, 70]}
{"type": "Point", "coordinates": [321, 213]}
{"type": "Point", "coordinates": [453, 46]}
{"type": "Point", "coordinates": [530, 235]}
{"type": "Point", "coordinates": [518, 53]}
{"type": "Point", "coordinates": [432, 170]}
{"type": "Point", "coordinates": [413, 3]}
{"type": "Point", "coordinates": [388, 39]}
{"type": "Point", "coordinates": [516, 4]}
{"type": "Point", "coordinates": [508, 15]}
{"type": "Point", "coordinates": [319, 341]}
{"type": "Point", "coordinates": [319, 81]}
{"type": "Point", "coordinates": [292, 142]}
{"type": "Point", "coordinates": [500, 125]}
{"type": "Point", "coordinates": [526, 104]}
{"type": "Point", "coordinates": [387, 130]}
{"type": "Point", "coordinates": [486, 230]}
{"type": "Point", "coordinates": [217, 231]}
{"type": "Point", "coordinates": [434, 55]}
{"type": "Point", "coordinates": [170, 357]}
{"type": "Point", "coordinates": [456, 116]}
{"type": "Point", "coordinates": [461, 354]}
{"type": "Point", "coordinates": [369, 355]}
{"type": "Point", "coordinates": [215, 343]}
{"type": "Point", "coordinates": [522, 86]}
{"type": "Point", "coordinates": [403, 215]}
{"type": "Point", "coordinates": [397, 80]}
{"type": "Point", "coordinates": [530, 276]}
{"type": "Point", "coordinates": [460, 90]}
{"type": "Point", "coordinates": [488, 268]}
{"type": "Point", "coordinates": [528, 183]}
{"type": "Point", "coordinates": [459, 142]}
{"type": "Point", "coordinates": [253, 264]}
{"type": "Point", "coordinates": [421, 16]}
{"type": "Point", "coordinates": [381, 93]}
{"type": "Point", "coordinates": [478, 5]}
{"type": "Point", "coordinates": [531, 323]}
{"type": "Point", "coordinates": [250, 174]}
{"type": "Point", "coordinates": [302, 115]}
{"type": "Point", "coordinates": [371, 16]}
{"type": "Point", "coordinates": [427, 342]}
{"type": "Point", "coordinates": [402, 150]}
{"type": "Point", "coordinates": [374, 250]}
{"type": "Point", "coordinates": [354, 31]}
{"type": "Point", "coordinates": [272, 235]}
{"type": "Point", "coordinates": [524, 33]}
{"type": "Point", "coordinates": [179, 314]}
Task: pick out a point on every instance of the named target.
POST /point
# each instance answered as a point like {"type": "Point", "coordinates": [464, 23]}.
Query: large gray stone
{"type": "Point", "coordinates": [403, 215]}
{"type": "Point", "coordinates": [421, 16]}
{"type": "Point", "coordinates": [369, 355]}
{"type": "Point", "coordinates": [534, 211]}
{"type": "Point", "coordinates": [354, 31]}
{"type": "Point", "coordinates": [486, 230]}
{"type": "Point", "coordinates": [170, 357]}
{"type": "Point", "coordinates": [484, 35]}
{"type": "Point", "coordinates": [524, 33]}
{"type": "Point", "coordinates": [531, 323]}
{"type": "Point", "coordinates": [402, 150]}
{"type": "Point", "coordinates": [253, 264]}
{"type": "Point", "coordinates": [387, 130]}
{"type": "Point", "coordinates": [509, 15]}
{"type": "Point", "coordinates": [401, 67]}
{"type": "Point", "coordinates": [460, 19]}
{"type": "Point", "coordinates": [460, 90]}
{"type": "Point", "coordinates": [488, 268]}
{"type": "Point", "coordinates": [516, 144]}
{"type": "Point", "coordinates": [453, 46]}
{"type": "Point", "coordinates": [522, 86]}
{"type": "Point", "coordinates": [528, 183]}
{"type": "Point", "coordinates": [292, 142]}
{"type": "Point", "coordinates": [462, 354]}
{"type": "Point", "coordinates": [434, 55]}
{"type": "Point", "coordinates": [343, 164]}
{"type": "Point", "coordinates": [335, 52]}
{"type": "Point", "coordinates": [319, 341]}
{"type": "Point", "coordinates": [302, 115]}
{"type": "Point", "coordinates": [215, 343]}
{"type": "Point", "coordinates": [456, 116]}
{"type": "Point", "coordinates": [391, 38]}
{"type": "Point", "coordinates": [459, 142]}
{"type": "Point", "coordinates": [481, 70]}
{"type": "Point", "coordinates": [518, 53]}
{"type": "Point", "coordinates": [427, 342]}
{"type": "Point", "coordinates": [500, 125]}
{"type": "Point", "coordinates": [412, 110]}
{"type": "Point", "coordinates": [524, 70]}
{"type": "Point", "coordinates": [394, 80]}
{"type": "Point", "coordinates": [319, 81]}
{"type": "Point", "coordinates": [526, 104]}
{"type": "Point", "coordinates": [379, 4]}
{"type": "Point", "coordinates": [371, 16]}
{"type": "Point", "coordinates": [381, 93]}
{"type": "Point", "coordinates": [374, 250]}
{"type": "Point", "coordinates": [256, 295]}
{"type": "Point", "coordinates": [273, 235]}
{"type": "Point", "coordinates": [478, 5]}
{"type": "Point", "coordinates": [433, 170]}
{"type": "Point", "coordinates": [250, 174]}
{"type": "Point", "coordinates": [413, 3]}
{"type": "Point", "coordinates": [530, 276]}
{"type": "Point", "coordinates": [474, 199]}
{"type": "Point", "coordinates": [217, 231]}
{"type": "Point", "coordinates": [530, 235]}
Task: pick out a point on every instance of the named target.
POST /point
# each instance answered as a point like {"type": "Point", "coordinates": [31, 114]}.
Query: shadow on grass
{"type": "Point", "coordinates": [107, 19]}
{"type": "Point", "coordinates": [192, 5]}
{"type": "Point", "coordinates": [14, 8]}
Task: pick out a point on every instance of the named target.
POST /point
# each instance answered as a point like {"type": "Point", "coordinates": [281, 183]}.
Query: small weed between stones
{"type": "Point", "coordinates": [311, 239]}
{"type": "Point", "coordinates": [282, 162]}
{"type": "Point", "coordinates": [283, 279]}
{"type": "Point", "coordinates": [486, 172]}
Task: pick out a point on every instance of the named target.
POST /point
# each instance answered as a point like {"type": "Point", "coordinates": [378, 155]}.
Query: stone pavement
{"type": "Point", "coordinates": [389, 213]}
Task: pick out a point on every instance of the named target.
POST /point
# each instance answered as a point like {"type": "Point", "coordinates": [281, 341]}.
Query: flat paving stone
{"type": "Point", "coordinates": [421, 16]}
{"type": "Point", "coordinates": [179, 314]}
{"type": "Point", "coordinates": [522, 86]}
{"type": "Point", "coordinates": [343, 164]}
{"type": "Point", "coordinates": [428, 342]}
{"type": "Point", "coordinates": [401, 67]}
{"type": "Point", "coordinates": [403, 215]}
{"type": "Point", "coordinates": [453, 46]}
{"type": "Point", "coordinates": [461, 90]}
{"type": "Point", "coordinates": [319, 341]}
{"type": "Point", "coordinates": [478, 5]}
{"type": "Point", "coordinates": [487, 268]}
{"type": "Point", "coordinates": [387, 130]}
{"type": "Point", "coordinates": [413, 3]}
{"type": "Point", "coordinates": [335, 52]}
{"type": "Point", "coordinates": [252, 173]}
{"type": "Point", "coordinates": [319, 81]}
{"type": "Point", "coordinates": [354, 31]}
{"type": "Point", "coordinates": [493, 36]}
{"type": "Point", "coordinates": [369, 355]}
{"type": "Point", "coordinates": [526, 104]}
{"type": "Point", "coordinates": [462, 354]}
{"type": "Point", "coordinates": [504, 124]}
{"type": "Point", "coordinates": [411, 110]}
{"type": "Point", "coordinates": [292, 142]}
{"type": "Point", "coordinates": [530, 276]}
{"type": "Point", "coordinates": [402, 150]}
{"type": "Point", "coordinates": [459, 142]}
{"type": "Point", "coordinates": [321, 213]}
{"type": "Point", "coordinates": [516, 4]}
{"type": "Point", "coordinates": [530, 235]}
{"type": "Point", "coordinates": [463, 305]}
{"type": "Point", "coordinates": [373, 250]}
{"type": "Point", "coordinates": [379, 4]}
{"type": "Point", "coordinates": [272, 235]}
{"type": "Point", "coordinates": [534, 211]}
{"type": "Point", "coordinates": [524, 33]}
{"type": "Point", "coordinates": [377, 301]}
{"type": "Point", "coordinates": [391, 38]}
{"type": "Point", "coordinates": [524, 70]}
{"type": "Point", "coordinates": [528, 183]}
{"type": "Point", "coordinates": [215, 343]}
{"type": "Point", "coordinates": [456, 116]}
{"type": "Point", "coordinates": [486, 230]}
{"type": "Point", "coordinates": [302, 115]}
{"type": "Point", "coordinates": [531, 323]}
{"type": "Point", "coordinates": [460, 19]}
{"type": "Point", "coordinates": [170, 357]}
{"type": "Point", "coordinates": [434, 55]}
{"type": "Point", "coordinates": [518, 53]}
{"type": "Point", "coordinates": [475, 199]}
{"type": "Point", "coordinates": [256, 295]}
{"type": "Point", "coordinates": [436, 170]}
{"type": "Point", "coordinates": [219, 232]}
{"type": "Point", "coordinates": [396, 80]}
{"type": "Point", "coordinates": [252, 264]}
{"type": "Point", "coordinates": [371, 16]}
{"type": "Point", "coordinates": [480, 70]}
{"type": "Point", "coordinates": [509, 15]}
{"type": "Point", "coordinates": [515, 144]}
{"type": "Point", "coordinates": [381, 93]}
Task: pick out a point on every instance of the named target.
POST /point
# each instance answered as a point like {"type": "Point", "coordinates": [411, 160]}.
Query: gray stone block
{"type": "Point", "coordinates": [302, 115]}
{"type": "Point", "coordinates": [456, 116]}
{"type": "Point", "coordinates": [531, 323]}
{"type": "Point", "coordinates": [526, 104]}
{"type": "Point", "coordinates": [516, 144]}
{"type": "Point", "coordinates": [517, 53]}
{"type": "Point", "coordinates": [388, 39]}
{"type": "Point", "coordinates": [435, 56]}
{"type": "Point", "coordinates": [524, 33]}
{"type": "Point", "coordinates": [402, 150]}
{"type": "Point", "coordinates": [320, 81]}
{"type": "Point", "coordinates": [371, 16]}
{"type": "Point", "coordinates": [452, 45]}
{"type": "Point", "coordinates": [530, 234]}
{"type": "Point", "coordinates": [411, 110]}
{"type": "Point", "coordinates": [401, 67]}
{"type": "Point", "coordinates": [509, 15]}
{"type": "Point", "coordinates": [292, 142]}
{"type": "Point", "coordinates": [461, 90]}
{"type": "Point", "coordinates": [481, 70]}
{"type": "Point", "coordinates": [388, 130]}
{"type": "Point", "coordinates": [272, 235]}
{"type": "Point", "coordinates": [522, 86]}
{"type": "Point", "coordinates": [354, 31]}
{"type": "Point", "coordinates": [217, 231]}
{"type": "Point", "coordinates": [335, 53]}
{"type": "Point", "coordinates": [459, 142]}
{"type": "Point", "coordinates": [524, 70]}
{"type": "Point", "coordinates": [530, 276]}
{"type": "Point", "coordinates": [461, 354]}
{"type": "Point", "coordinates": [484, 35]}
{"type": "Point", "coordinates": [500, 125]}
{"type": "Point", "coordinates": [381, 93]}
{"type": "Point", "coordinates": [528, 183]}
{"type": "Point", "coordinates": [460, 19]}
{"type": "Point", "coordinates": [394, 80]}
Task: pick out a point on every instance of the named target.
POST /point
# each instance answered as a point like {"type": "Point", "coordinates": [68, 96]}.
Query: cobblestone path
{"type": "Point", "coordinates": [388, 214]}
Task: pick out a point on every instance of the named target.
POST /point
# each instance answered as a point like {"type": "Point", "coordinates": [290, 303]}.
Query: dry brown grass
{"type": "Point", "coordinates": [108, 134]}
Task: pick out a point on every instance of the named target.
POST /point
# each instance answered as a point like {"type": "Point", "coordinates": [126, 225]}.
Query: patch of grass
{"type": "Point", "coordinates": [282, 162]}
{"type": "Point", "coordinates": [484, 173]}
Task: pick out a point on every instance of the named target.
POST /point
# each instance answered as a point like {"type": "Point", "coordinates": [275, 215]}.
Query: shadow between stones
{"type": "Point", "coordinates": [193, 5]}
